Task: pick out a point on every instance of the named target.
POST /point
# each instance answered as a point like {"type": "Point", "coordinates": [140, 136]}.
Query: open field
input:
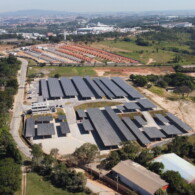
{"type": "Point", "coordinates": [5, 47]}
{"type": "Point", "coordinates": [36, 185]}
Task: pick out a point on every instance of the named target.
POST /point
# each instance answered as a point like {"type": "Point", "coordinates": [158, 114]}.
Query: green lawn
{"type": "Point", "coordinates": [62, 71]}
{"type": "Point", "coordinates": [36, 186]}
{"type": "Point", "coordinates": [31, 62]}
{"type": "Point", "coordinates": [157, 90]}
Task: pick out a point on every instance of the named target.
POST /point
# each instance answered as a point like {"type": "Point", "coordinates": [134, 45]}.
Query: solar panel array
{"type": "Point", "coordinates": [178, 122]}
{"type": "Point", "coordinates": [140, 120]}
{"type": "Point", "coordinates": [131, 106]}
{"type": "Point", "coordinates": [153, 132]}
{"type": "Point", "coordinates": [145, 103]}
{"type": "Point", "coordinates": [121, 108]}
{"type": "Point", "coordinates": [81, 114]}
{"type": "Point", "coordinates": [170, 130]}
{"type": "Point", "coordinates": [54, 88]}
{"type": "Point", "coordinates": [62, 117]}
{"type": "Point", "coordinates": [45, 129]}
{"type": "Point", "coordinates": [44, 89]}
{"type": "Point", "coordinates": [43, 119]}
{"type": "Point", "coordinates": [64, 127]}
{"type": "Point", "coordinates": [87, 125]}
{"type": "Point", "coordinates": [68, 87]}
{"type": "Point", "coordinates": [161, 118]}
{"type": "Point", "coordinates": [127, 88]}
{"type": "Point", "coordinates": [30, 127]}
{"type": "Point", "coordinates": [121, 126]}
{"type": "Point", "coordinates": [138, 134]}
{"type": "Point", "coordinates": [103, 127]}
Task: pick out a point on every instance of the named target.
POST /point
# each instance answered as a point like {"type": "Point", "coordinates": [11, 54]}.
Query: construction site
{"type": "Point", "coordinates": [73, 54]}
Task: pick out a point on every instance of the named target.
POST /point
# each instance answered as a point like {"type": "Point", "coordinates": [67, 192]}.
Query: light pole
{"type": "Point", "coordinates": [117, 182]}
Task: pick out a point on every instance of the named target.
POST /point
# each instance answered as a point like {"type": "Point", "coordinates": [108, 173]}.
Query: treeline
{"type": "Point", "coordinates": [10, 36]}
{"type": "Point", "coordinates": [132, 151]}
{"type": "Point", "coordinates": [10, 158]}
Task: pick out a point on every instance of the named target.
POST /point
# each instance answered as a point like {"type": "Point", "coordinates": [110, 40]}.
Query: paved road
{"type": "Point", "coordinates": [18, 110]}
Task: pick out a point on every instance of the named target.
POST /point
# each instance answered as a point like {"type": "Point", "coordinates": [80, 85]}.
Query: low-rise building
{"type": "Point", "coordinates": [40, 107]}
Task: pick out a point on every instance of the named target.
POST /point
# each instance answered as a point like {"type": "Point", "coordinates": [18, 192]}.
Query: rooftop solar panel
{"type": "Point", "coordinates": [131, 106]}
{"type": "Point", "coordinates": [87, 125]}
{"type": "Point", "coordinates": [30, 127]}
{"type": "Point", "coordinates": [64, 127]}
{"type": "Point", "coordinates": [55, 88]}
{"type": "Point", "coordinates": [104, 89]}
{"type": "Point", "coordinates": [43, 118]}
{"type": "Point", "coordinates": [121, 126]}
{"type": "Point", "coordinates": [127, 88]}
{"type": "Point", "coordinates": [178, 122]}
{"type": "Point", "coordinates": [121, 108]}
{"type": "Point", "coordinates": [68, 87]}
{"type": "Point", "coordinates": [45, 129]}
{"type": "Point", "coordinates": [103, 127]}
{"type": "Point", "coordinates": [153, 132]}
{"type": "Point", "coordinates": [44, 89]}
{"type": "Point", "coordinates": [82, 87]}
{"type": "Point", "coordinates": [81, 114]}
{"type": "Point", "coordinates": [145, 103]}
{"type": "Point", "coordinates": [170, 130]}
{"type": "Point", "coordinates": [140, 120]}
{"type": "Point", "coordinates": [61, 117]}
{"type": "Point", "coordinates": [113, 87]}
{"type": "Point", "coordinates": [161, 118]}
{"type": "Point", "coordinates": [138, 134]}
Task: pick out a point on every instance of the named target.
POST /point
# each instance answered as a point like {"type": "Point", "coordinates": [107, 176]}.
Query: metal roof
{"type": "Point", "coordinates": [173, 162]}
{"type": "Point", "coordinates": [140, 136]}
{"type": "Point", "coordinates": [104, 89]}
{"type": "Point", "coordinates": [44, 89]}
{"type": "Point", "coordinates": [121, 126]}
{"type": "Point", "coordinates": [153, 132]}
{"type": "Point", "coordinates": [161, 118]}
{"type": "Point", "coordinates": [145, 103]}
{"type": "Point", "coordinates": [178, 122]}
{"type": "Point", "coordinates": [94, 87]}
{"type": "Point", "coordinates": [43, 118]}
{"type": "Point", "coordinates": [81, 114]}
{"type": "Point", "coordinates": [30, 127]}
{"type": "Point", "coordinates": [103, 127]}
{"type": "Point", "coordinates": [170, 130]}
{"type": "Point", "coordinates": [55, 88]}
{"type": "Point", "coordinates": [131, 106]}
{"type": "Point", "coordinates": [68, 87]}
{"type": "Point", "coordinates": [64, 127]}
{"type": "Point", "coordinates": [140, 120]}
{"type": "Point", "coordinates": [45, 129]}
{"type": "Point", "coordinates": [87, 125]}
{"type": "Point", "coordinates": [127, 88]}
{"type": "Point", "coordinates": [113, 87]}
{"type": "Point", "coordinates": [82, 87]}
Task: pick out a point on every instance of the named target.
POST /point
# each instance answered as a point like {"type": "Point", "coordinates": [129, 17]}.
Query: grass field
{"type": "Point", "coordinates": [96, 105]}
{"type": "Point", "coordinates": [62, 71]}
{"type": "Point", "coordinates": [36, 186]}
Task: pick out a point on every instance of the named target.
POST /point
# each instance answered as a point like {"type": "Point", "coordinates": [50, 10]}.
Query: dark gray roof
{"type": "Point", "coordinates": [139, 135]}
{"type": "Point", "coordinates": [82, 87]}
{"type": "Point", "coordinates": [68, 87]}
{"type": "Point", "coordinates": [87, 125]}
{"type": "Point", "coordinates": [178, 122]}
{"type": "Point", "coordinates": [55, 88]}
{"type": "Point", "coordinates": [30, 127]}
{"type": "Point", "coordinates": [127, 88]}
{"type": "Point", "coordinates": [145, 103]}
{"type": "Point", "coordinates": [161, 118]}
{"type": "Point", "coordinates": [131, 106]}
{"type": "Point", "coordinates": [113, 87]}
{"type": "Point", "coordinates": [45, 129]}
{"type": "Point", "coordinates": [64, 127]}
{"type": "Point", "coordinates": [121, 108]}
{"type": "Point", "coordinates": [121, 126]}
{"type": "Point", "coordinates": [104, 88]}
{"type": "Point", "coordinates": [43, 118]}
{"type": "Point", "coordinates": [81, 114]}
{"type": "Point", "coordinates": [103, 127]}
{"type": "Point", "coordinates": [94, 87]}
{"type": "Point", "coordinates": [170, 130]}
{"type": "Point", "coordinates": [44, 89]}
{"type": "Point", "coordinates": [153, 132]}
{"type": "Point", "coordinates": [62, 117]}
{"type": "Point", "coordinates": [140, 120]}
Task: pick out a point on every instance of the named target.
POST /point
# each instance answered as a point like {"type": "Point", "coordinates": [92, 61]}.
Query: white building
{"type": "Point", "coordinates": [40, 107]}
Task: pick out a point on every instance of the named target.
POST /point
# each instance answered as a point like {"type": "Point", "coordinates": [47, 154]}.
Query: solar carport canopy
{"type": "Point", "coordinates": [153, 132]}
{"type": "Point", "coordinates": [127, 88]}
{"type": "Point", "coordinates": [30, 127]}
{"type": "Point", "coordinates": [43, 118]}
{"type": "Point", "coordinates": [178, 122]}
{"type": "Point", "coordinates": [103, 127]}
{"type": "Point", "coordinates": [44, 89]}
{"type": "Point", "coordinates": [161, 118]}
{"type": "Point", "coordinates": [81, 114]}
{"type": "Point", "coordinates": [140, 120]}
{"type": "Point", "coordinates": [170, 130]}
{"type": "Point", "coordinates": [140, 136]}
{"type": "Point", "coordinates": [55, 88]}
{"type": "Point", "coordinates": [82, 87]}
{"type": "Point", "coordinates": [113, 87]}
{"type": "Point", "coordinates": [87, 125]}
{"type": "Point", "coordinates": [45, 129]}
{"type": "Point", "coordinates": [64, 128]}
{"type": "Point", "coordinates": [68, 87]}
{"type": "Point", "coordinates": [131, 106]}
{"type": "Point", "coordinates": [145, 103]}
{"type": "Point", "coordinates": [121, 126]}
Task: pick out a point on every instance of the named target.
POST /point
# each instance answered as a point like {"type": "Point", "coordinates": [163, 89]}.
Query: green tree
{"type": "Point", "coordinates": [156, 167]}
{"type": "Point", "coordinates": [37, 154]}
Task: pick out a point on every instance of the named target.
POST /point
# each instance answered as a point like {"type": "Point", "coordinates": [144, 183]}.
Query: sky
{"type": "Point", "coordinates": [97, 5]}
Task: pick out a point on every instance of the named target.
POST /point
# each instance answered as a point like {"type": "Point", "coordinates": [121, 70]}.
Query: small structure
{"type": "Point", "coordinates": [173, 162]}
{"type": "Point", "coordinates": [62, 118]}
{"type": "Point", "coordinates": [87, 125]}
{"type": "Point", "coordinates": [65, 130]}
{"type": "Point", "coordinates": [138, 177]}
{"type": "Point", "coordinates": [40, 107]}
{"type": "Point", "coordinates": [45, 130]}
{"type": "Point", "coordinates": [81, 114]}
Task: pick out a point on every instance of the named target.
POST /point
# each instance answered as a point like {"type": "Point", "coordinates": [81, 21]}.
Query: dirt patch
{"type": "Point", "coordinates": [150, 61]}
{"type": "Point", "coordinates": [5, 47]}
{"type": "Point", "coordinates": [185, 110]}
{"type": "Point", "coordinates": [124, 72]}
